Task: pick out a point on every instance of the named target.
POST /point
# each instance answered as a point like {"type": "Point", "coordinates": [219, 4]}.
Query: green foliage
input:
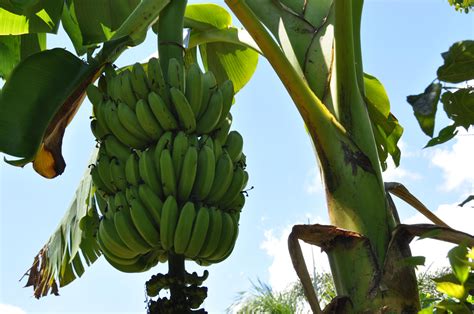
{"type": "Point", "coordinates": [458, 101]}
{"type": "Point", "coordinates": [456, 285]}
{"type": "Point", "coordinates": [462, 5]}
{"type": "Point", "coordinates": [24, 17]}
{"type": "Point", "coordinates": [50, 77]}
{"type": "Point", "coordinates": [386, 128]}
{"type": "Point", "coordinates": [14, 49]}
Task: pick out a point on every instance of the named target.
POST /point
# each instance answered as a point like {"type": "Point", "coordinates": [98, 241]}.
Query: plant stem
{"type": "Point", "coordinates": [176, 271]}
{"type": "Point", "coordinates": [170, 36]}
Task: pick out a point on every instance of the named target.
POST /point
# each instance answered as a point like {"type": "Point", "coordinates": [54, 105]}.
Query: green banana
{"type": "Point", "coordinates": [120, 201]}
{"type": "Point", "coordinates": [237, 203]}
{"type": "Point", "coordinates": [148, 172]}
{"type": "Point", "coordinates": [147, 120]}
{"type": "Point", "coordinates": [180, 147]}
{"type": "Point", "coordinates": [209, 85]}
{"type": "Point", "coordinates": [98, 130]}
{"type": "Point", "coordinates": [227, 89]}
{"type": "Point", "coordinates": [233, 241]}
{"type": "Point", "coordinates": [236, 185]}
{"type": "Point", "coordinates": [162, 112]}
{"type": "Point", "coordinates": [94, 94]}
{"type": "Point", "coordinates": [213, 235]}
{"type": "Point", "coordinates": [127, 94]}
{"type": "Point", "coordinates": [168, 177]}
{"type": "Point", "coordinates": [103, 168]}
{"type": "Point", "coordinates": [98, 182]}
{"type": "Point", "coordinates": [99, 114]}
{"type": "Point", "coordinates": [169, 219]}
{"type": "Point", "coordinates": [194, 88]}
{"type": "Point", "coordinates": [119, 130]}
{"type": "Point", "coordinates": [206, 140]}
{"type": "Point", "coordinates": [199, 232]}
{"type": "Point", "coordinates": [102, 204]}
{"type": "Point", "coordinates": [226, 237]}
{"type": "Point", "coordinates": [222, 129]}
{"type": "Point", "coordinates": [205, 173]}
{"type": "Point", "coordinates": [188, 174]}
{"type": "Point", "coordinates": [187, 119]}
{"type": "Point", "coordinates": [165, 141]}
{"type": "Point", "coordinates": [184, 228]}
{"type": "Point", "coordinates": [105, 248]}
{"type": "Point", "coordinates": [129, 120]}
{"type": "Point", "coordinates": [176, 74]}
{"type": "Point", "coordinates": [217, 149]}
{"type": "Point", "coordinates": [144, 223]}
{"type": "Point", "coordinates": [151, 201]}
{"type": "Point", "coordinates": [234, 145]}
{"type": "Point", "coordinates": [112, 241]}
{"type": "Point", "coordinates": [113, 88]}
{"type": "Point", "coordinates": [139, 81]}
{"type": "Point", "coordinates": [132, 171]}
{"type": "Point", "coordinates": [117, 171]}
{"type": "Point", "coordinates": [210, 118]}
{"type": "Point", "coordinates": [131, 193]}
{"type": "Point", "coordinates": [223, 178]}
{"type": "Point", "coordinates": [115, 148]}
{"type": "Point", "coordinates": [156, 79]}
{"type": "Point", "coordinates": [128, 233]}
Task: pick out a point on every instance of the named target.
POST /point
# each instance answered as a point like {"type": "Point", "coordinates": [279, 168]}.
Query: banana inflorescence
{"type": "Point", "coordinates": [170, 174]}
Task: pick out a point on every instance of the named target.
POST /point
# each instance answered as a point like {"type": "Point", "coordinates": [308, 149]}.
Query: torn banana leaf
{"type": "Point", "coordinates": [70, 247]}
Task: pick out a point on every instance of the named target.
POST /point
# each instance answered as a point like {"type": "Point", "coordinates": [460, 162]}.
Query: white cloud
{"type": "Point", "coordinates": [313, 183]}
{"type": "Point", "coordinates": [460, 218]}
{"type": "Point", "coordinates": [281, 271]}
{"type": "Point", "coordinates": [456, 162]}
{"type": "Point", "coordinates": [10, 309]}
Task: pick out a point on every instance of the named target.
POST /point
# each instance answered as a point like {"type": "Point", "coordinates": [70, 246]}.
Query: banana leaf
{"type": "Point", "coordinates": [72, 245]}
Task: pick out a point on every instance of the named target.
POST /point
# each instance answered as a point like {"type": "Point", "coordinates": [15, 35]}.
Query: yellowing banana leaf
{"type": "Point", "coordinates": [13, 49]}
{"type": "Point", "coordinates": [73, 244]}
{"type": "Point", "coordinates": [37, 103]}
{"type": "Point", "coordinates": [31, 16]}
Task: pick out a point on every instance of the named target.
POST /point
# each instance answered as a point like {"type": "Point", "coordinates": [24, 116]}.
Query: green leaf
{"type": "Point", "coordinates": [459, 106]}
{"type": "Point", "coordinates": [39, 17]}
{"type": "Point", "coordinates": [376, 95]}
{"type": "Point", "coordinates": [458, 63]}
{"type": "Point", "coordinates": [444, 135]}
{"type": "Point", "coordinates": [71, 245]}
{"type": "Point", "coordinates": [13, 49]}
{"type": "Point", "coordinates": [37, 89]}
{"type": "Point", "coordinates": [206, 16]}
{"type": "Point", "coordinates": [230, 35]}
{"type": "Point", "coordinates": [229, 61]}
{"type": "Point", "coordinates": [424, 107]}
{"type": "Point", "coordinates": [454, 307]}
{"type": "Point", "coordinates": [387, 130]}
{"type": "Point", "coordinates": [97, 20]}
{"type": "Point", "coordinates": [459, 262]}
{"type": "Point", "coordinates": [450, 285]}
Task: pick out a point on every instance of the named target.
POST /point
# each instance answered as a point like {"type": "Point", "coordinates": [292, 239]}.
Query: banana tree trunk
{"type": "Point", "coordinates": [367, 266]}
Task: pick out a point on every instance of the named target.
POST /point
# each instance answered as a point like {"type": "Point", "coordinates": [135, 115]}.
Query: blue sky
{"type": "Point", "coordinates": [402, 41]}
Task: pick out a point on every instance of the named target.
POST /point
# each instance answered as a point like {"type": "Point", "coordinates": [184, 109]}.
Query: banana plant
{"type": "Point", "coordinates": [314, 46]}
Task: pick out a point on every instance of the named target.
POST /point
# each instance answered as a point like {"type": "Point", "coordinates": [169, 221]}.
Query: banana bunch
{"type": "Point", "coordinates": [170, 174]}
